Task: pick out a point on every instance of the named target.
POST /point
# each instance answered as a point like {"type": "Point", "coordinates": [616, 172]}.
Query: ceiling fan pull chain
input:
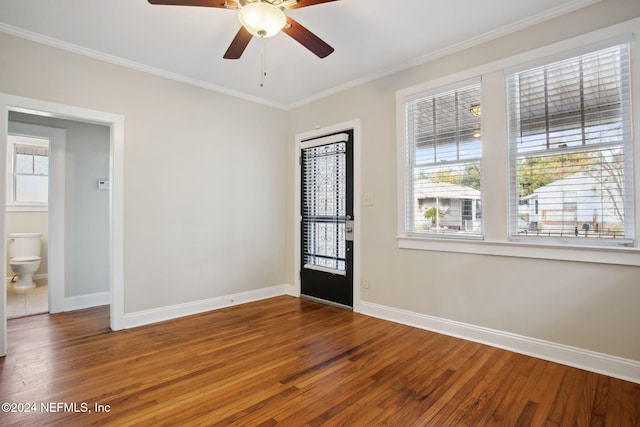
{"type": "Point", "coordinates": [263, 66]}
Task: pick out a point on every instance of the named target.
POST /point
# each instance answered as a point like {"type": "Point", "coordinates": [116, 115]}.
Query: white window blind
{"type": "Point", "coordinates": [571, 150]}
{"type": "Point", "coordinates": [444, 148]}
{"type": "Point", "coordinates": [324, 207]}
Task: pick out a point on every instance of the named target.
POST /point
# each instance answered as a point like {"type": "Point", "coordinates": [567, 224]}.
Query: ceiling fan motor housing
{"type": "Point", "coordinates": [262, 19]}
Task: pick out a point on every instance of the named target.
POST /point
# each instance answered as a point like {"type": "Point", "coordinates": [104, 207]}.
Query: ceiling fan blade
{"type": "Point", "coordinates": [305, 3]}
{"type": "Point", "coordinates": [204, 3]}
{"type": "Point", "coordinates": [238, 45]}
{"type": "Point", "coordinates": [306, 38]}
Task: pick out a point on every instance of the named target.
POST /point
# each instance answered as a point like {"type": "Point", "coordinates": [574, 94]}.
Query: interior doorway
{"type": "Point", "coordinates": [31, 193]}
{"type": "Point", "coordinates": [115, 123]}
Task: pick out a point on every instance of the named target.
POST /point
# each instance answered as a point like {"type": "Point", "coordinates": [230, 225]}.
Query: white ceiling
{"type": "Point", "coordinates": [371, 38]}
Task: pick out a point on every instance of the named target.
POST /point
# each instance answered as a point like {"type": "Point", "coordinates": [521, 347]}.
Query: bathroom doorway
{"type": "Point", "coordinates": [114, 125]}
{"type": "Point", "coordinates": [28, 177]}
{"type": "Point", "coordinates": [78, 206]}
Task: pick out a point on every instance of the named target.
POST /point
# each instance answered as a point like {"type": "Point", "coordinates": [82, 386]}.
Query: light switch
{"type": "Point", "coordinates": [367, 199]}
{"type": "Point", "coordinates": [104, 184]}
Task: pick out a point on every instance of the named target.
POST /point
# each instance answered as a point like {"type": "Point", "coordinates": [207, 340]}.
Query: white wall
{"type": "Point", "coordinates": [205, 193]}
{"type": "Point", "coordinates": [589, 306]}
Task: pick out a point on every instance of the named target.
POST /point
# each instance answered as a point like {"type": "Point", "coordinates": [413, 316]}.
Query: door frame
{"type": "Point", "coordinates": [115, 122]}
{"type": "Point", "coordinates": [55, 209]}
{"type": "Point", "coordinates": [357, 211]}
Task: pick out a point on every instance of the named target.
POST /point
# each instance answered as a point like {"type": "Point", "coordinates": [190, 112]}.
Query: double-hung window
{"type": "Point", "coordinates": [443, 149]}
{"type": "Point", "coordinates": [571, 150]}
{"type": "Point", "coordinates": [29, 165]}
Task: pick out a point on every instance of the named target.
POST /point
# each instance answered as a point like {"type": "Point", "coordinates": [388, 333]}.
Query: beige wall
{"type": "Point", "coordinates": [591, 306]}
{"type": "Point", "coordinates": [209, 199]}
{"type": "Point", "coordinates": [205, 193]}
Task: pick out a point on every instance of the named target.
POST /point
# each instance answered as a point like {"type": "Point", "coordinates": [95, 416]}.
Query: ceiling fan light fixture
{"type": "Point", "coordinates": [262, 19]}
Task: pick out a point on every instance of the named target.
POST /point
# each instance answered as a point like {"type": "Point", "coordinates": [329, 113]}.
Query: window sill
{"type": "Point", "coordinates": [27, 208]}
{"type": "Point", "coordinates": [599, 255]}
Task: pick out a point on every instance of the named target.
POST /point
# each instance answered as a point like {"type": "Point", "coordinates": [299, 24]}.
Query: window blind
{"type": "Point", "coordinates": [571, 149]}
{"type": "Point", "coordinates": [444, 148]}
{"type": "Point", "coordinates": [324, 206]}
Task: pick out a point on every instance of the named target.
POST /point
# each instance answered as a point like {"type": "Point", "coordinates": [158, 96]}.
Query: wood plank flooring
{"type": "Point", "coordinates": [290, 362]}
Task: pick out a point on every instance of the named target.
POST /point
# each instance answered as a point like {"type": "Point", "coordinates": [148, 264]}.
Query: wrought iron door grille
{"type": "Point", "coordinates": [324, 205]}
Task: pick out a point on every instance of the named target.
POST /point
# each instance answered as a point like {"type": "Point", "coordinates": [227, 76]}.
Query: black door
{"type": "Point", "coordinates": [327, 218]}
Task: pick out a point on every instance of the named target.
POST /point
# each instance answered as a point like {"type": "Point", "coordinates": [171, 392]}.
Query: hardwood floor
{"type": "Point", "coordinates": [291, 362]}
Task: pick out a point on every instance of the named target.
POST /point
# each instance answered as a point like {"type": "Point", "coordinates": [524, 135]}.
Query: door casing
{"type": "Point", "coordinates": [116, 124]}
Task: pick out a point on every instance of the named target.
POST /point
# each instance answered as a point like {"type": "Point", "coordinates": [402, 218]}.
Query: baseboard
{"type": "Point", "coordinates": [87, 301]}
{"type": "Point", "coordinates": [613, 366]}
{"type": "Point", "coordinates": [132, 320]}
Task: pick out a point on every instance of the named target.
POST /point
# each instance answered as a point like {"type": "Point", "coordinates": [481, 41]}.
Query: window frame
{"type": "Point", "coordinates": [496, 160]}
{"type": "Point", "coordinates": [627, 143]}
{"type": "Point", "coordinates": [13, 141]}
{"type": "Point", "coordinates": [409, 148]}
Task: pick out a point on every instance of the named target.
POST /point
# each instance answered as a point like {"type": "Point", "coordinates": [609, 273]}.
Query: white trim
{"type": "Point", "coordinates": [70, 47]}
{"type": "Point", "coordinates": [562, 48]}
{"type": "Point", "coordinates": [496, 239]}
{"type": "Point", "coordinates": [458, 47]}
{"type": "Point", "coordinates": [22, 139]}
{"type": "Point", "coordinates": [598, 255]}
{"type": "Point", "coordinates": [357, 206]}
{"type": "Point", "coordinates": [80, 302]}
{"type": "Point", "coordinates": [432, 90]}
{"type": "Point", "coordinates": [624, 38]}
{"type": "Point", "coordinates": [116, 124]}
{"type": "Point", "coordinates": [613, 366]}
{"type": "Point", "coordinates": [145, 317]}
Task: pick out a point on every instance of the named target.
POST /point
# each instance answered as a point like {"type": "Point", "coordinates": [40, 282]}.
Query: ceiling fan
{"type": "Point", "coordinates": [262, 18]}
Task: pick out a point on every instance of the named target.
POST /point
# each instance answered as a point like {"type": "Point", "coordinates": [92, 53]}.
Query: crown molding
{"type": "Point", "coordinates": [491, 35]}
{"type": "Point", "coordinates": [116, 60]}
{"type": "Point", "coordinates": [449, 50]}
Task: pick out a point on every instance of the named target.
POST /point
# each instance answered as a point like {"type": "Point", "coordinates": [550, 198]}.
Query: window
{"type": "Point", "coordinates": [29, 180]}
{"type": "Point", "coordinates": [443, 171]}
{"type": "Point", "coordinates": [570, 143]}
{"type": "Point", "coordinates": [553, 163]}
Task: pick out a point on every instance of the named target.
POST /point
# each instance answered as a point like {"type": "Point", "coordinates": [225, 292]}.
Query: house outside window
{"type": "Point", "coordinates": [443, 169]}
{"type": "Point", "coordinates": [570, 143]}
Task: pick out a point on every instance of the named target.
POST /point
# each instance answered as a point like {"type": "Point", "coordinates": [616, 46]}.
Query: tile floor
{"type": "Point", "coordinates": [24, 302]}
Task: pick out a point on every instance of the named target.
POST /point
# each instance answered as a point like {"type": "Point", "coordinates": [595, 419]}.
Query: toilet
{"type": "Point", "coordinates": [24, 253]}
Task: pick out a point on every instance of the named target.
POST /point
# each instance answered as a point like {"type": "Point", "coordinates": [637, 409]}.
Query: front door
{"type": "Point", "coordinates": [327, 218]}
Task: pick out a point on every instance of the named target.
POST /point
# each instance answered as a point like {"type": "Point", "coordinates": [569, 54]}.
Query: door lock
{"type": "Point", "coordinates": [348, 229]}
